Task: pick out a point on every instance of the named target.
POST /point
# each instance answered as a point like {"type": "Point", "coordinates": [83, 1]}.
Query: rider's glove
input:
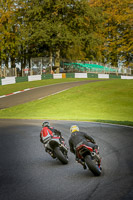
{"type": "Point", "coordinates": [93, 141]}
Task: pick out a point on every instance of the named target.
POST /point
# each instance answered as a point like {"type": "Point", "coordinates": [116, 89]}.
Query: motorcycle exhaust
{"type": "Point", "coordinates": [93, 154]}
{"type": "Point", "coordinates": [63, 146]}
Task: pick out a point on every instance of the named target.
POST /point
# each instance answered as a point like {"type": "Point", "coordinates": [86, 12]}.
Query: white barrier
{"type": "Point", "coordinates": [12, 80]}
{"type": "Point", "coordinates": [34, 78]}
{"type": "Point", "coordinates": [103, 75]}
{"type": "Point", "coordinates": [126, 77]}
{"type": "Point", "coordinates": [8, 80]}
{"type": "Point", "coordinates": [56, 76]}
{"type": "Point", "coordinates": [80, 75]}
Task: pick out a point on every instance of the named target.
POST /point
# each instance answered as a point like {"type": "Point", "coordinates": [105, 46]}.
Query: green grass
{"type": "Point", "coordinates": [110, 101]}
{"type": "Point", "coordinates": [7, 89]}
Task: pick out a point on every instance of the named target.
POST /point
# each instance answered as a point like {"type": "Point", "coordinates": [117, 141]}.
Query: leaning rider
{"type": "Point", "coordinates": [49, 131]}
{"type": "Point", "coordinates": [77, 137]}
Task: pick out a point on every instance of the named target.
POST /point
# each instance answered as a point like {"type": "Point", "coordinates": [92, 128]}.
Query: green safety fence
{"type": "Point", "coordinates": [92, 75]}
{"type": "Point", "coordinates": [47, 76]}
{"type": "Point", "coordinates": [67, 75]}
{"type": "Point", "coordinates": [21, 79]}
{"type": "Point", "coordinates": [70, 75]}
{"type": "Point", "coordinates": [0, 80]}
{"type": "Point", "coordinates": [114, 76]}
{"type": "Point", "coordinates": [90, 67]}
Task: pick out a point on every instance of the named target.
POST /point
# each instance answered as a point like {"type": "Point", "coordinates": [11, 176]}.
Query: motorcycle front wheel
{"type": "Point", "coordinates": [62, 158]}
{"type": "Point", "coordinates": [92, 166]}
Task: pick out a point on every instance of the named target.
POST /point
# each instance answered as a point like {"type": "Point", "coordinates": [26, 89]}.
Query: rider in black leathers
{"type": "Point", "coordinates": [77, 137]}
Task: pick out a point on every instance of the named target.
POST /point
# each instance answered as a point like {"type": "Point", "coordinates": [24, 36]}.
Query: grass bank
{"type": "Point", "coordinates": [110, 101]}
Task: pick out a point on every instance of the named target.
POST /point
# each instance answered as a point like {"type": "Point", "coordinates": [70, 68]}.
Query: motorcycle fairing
{"type": "Point", "coordinates": [82, 150]}
{"type": "Point", "coordinates": [83, 145]}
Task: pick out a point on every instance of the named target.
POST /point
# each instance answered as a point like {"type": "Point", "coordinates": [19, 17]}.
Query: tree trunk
{"type": "Point", "coordinates": [23, 64]}
{"type": "Point", "coordinates": [50, 60]}
{"type": "Point", "coordinates": [13, 62]}
{"type": "Point", "coordinates": [57, 61]}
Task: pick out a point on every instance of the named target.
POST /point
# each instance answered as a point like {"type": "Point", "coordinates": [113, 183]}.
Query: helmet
{"type": "Point", "coordinates": [44, 124]}
{"type": "Point", "coordinates": [74, 128]}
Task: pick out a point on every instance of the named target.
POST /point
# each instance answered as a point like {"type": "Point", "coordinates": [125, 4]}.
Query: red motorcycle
{"type": "Point", "coordinates": [88, 156]}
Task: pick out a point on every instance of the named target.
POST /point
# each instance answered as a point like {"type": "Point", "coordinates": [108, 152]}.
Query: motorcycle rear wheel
{"type": "Point", "coordinates": [62, 158]}
{"type": "Point", "coordinates": [92, 166]}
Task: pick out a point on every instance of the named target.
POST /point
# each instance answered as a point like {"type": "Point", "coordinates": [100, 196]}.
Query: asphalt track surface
{"type": "Point", "coordinates": [27, 172]}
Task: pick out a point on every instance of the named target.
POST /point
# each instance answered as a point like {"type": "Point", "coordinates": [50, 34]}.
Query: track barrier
{"type": "Point", "coordinates": [12, 80]}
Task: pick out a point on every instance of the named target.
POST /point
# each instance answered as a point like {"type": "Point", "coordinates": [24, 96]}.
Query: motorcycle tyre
{"type": "Point", "coordinates": [92, 166]}
{"type": "Point", "coordinates": [60, 156]}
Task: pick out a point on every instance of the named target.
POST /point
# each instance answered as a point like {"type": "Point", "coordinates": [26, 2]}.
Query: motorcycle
{"type": "Point", "coordinates": [56, 148]}
{"type": "Point", "coordinates": [88, 156]}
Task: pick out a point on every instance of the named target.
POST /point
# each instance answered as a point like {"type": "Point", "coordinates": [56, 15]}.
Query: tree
{"type": "Point", "coordinates": [9, 30]}
{"type": "Point", "coordinates": [10, 37]}
{"type": "Point", "coordinates": [118, 46]}
{"type": "Point", "coordinates": [61, 26]}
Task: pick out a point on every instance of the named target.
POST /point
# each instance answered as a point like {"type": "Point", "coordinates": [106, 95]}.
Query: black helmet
{"type": "Point", "coordinates": [44, 124]}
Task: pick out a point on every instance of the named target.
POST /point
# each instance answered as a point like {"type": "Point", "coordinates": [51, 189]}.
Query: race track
{"type": "Point", "coordinates": [39, 92]}
{"type": "Point", "coordinates": [27, 172]}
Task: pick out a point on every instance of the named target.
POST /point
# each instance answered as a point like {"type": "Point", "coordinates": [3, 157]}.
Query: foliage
{"type": "Point", "coordinates": [117, 30]}
{"type": "Point", "coordinates": [96, 30]}
{"type": "Point", "coordinates": [9, 29]}
{"type": "Point", "coordinates": [61, 25]}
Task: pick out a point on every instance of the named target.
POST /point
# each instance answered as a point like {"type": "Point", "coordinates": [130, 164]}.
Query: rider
{"type": "Point", "coordinates": [77, 137]}
{"type": "Point", "coordinates": [49, 131]}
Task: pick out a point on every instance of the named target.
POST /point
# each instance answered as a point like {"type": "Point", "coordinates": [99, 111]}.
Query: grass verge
{"type": "Point", "coordinates": [110, 102]}
{"type": "Point", "coordinates": [7, 89]}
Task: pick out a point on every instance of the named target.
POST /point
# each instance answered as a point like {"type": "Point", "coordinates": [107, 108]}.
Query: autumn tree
{"type": "Point", "coordinates": [118, 32]}
{"type": "Point", "coordinates": [10, 38]}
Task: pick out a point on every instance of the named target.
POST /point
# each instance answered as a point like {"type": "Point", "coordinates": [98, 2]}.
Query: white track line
{"type": "Point", "coordinates": [53, 94]}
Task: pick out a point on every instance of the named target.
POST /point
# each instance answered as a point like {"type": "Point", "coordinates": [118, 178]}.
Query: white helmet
{"type": "Point", "coordinates": [74, 128]}
{"type": "Point", "coordinates": [45, 124]}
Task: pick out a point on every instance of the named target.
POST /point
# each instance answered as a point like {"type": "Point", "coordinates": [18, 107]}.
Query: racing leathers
{"type": "Point", "coordinates": [77, 137]}
{"type": "Point", "coordinates": [49, 131]}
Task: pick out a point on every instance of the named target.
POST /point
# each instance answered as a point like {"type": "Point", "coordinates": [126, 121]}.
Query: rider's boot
{"type": "Point", "coordinates": [81, 162]}
{"type": "Point", "coordinates": [84, 166]}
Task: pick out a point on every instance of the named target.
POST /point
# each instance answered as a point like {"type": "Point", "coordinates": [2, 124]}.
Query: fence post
{"type": "Point", "coordinates": [4, 72]}
{"type": "Point", "coordinates": [15, 71]}
{"type": "Point", "coordinates": [31, 72]}
{"type": "Point", "coordinates": [41, 66]}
